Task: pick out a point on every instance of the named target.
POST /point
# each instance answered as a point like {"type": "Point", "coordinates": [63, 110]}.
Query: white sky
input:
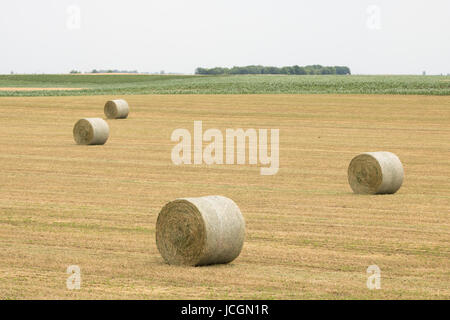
{"type": "Point", "coordinates": [369, 36]}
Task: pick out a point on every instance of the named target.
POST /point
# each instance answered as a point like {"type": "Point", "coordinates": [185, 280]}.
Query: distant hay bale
{"type": "Point", "coordinates": [91, 131]}
{"type": "Point", "coordinates": [116, 109]}
{"type": "Point", "coordinates": [375, 173]}
{"type": "Point", "coordinates": [200, 231]}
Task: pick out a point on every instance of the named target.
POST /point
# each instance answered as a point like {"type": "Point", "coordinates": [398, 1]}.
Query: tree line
{"type": "Point", "coordinates": [306, 70]}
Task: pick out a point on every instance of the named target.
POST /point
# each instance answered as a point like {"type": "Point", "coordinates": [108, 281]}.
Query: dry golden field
{"type": "Point", "coordinates": [307, 235]}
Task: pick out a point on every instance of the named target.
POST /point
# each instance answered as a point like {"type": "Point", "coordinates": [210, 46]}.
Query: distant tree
{"type": "Point", "coordinates": [287, 70]}
{"type": "Point", "coordinates": [74, 71]}
{"type": "Point", "coordinates": [200, 71]}
{"type": "Point", "coordinates": [298, 70]}
{"type": "Point", "coordinates": [245, 70]}
{"type": "Point", "coordinates": [218, 70]}
{"type": "Point", "coordinates": [342, 70]}
{"type": "Point", "coordinates": [254, 69]}
{"type": "Point", "coordinates": [309, 70]}
{"type": "Point", "coordinates": [271, 70]}
{"type": "Point", "coordinates": [238, 70]}
{"type": "Point", "coordinates": [315, 69]}
{"type": "Point", "coordinates": [327, 70]}
{"type": "Point", "coordinates": [301, 70]}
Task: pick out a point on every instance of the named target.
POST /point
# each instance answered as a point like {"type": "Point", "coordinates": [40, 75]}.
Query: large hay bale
{"type": "Point", "coordinates": [91, 131]}
{"type": "Point", "coordinates": [116, 109]}
{"type": "Point", "coordinates": [375, 173]}
{"type": "Point", "coordinates": [200, 231]}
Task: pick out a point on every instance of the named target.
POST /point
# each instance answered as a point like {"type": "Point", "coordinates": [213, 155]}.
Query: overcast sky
{"type": "Point", "coordinates": [369, 36]}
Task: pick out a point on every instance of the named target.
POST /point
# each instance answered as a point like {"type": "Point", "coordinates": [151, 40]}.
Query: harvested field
{"type": "Point", "coordinates": [308, 236]}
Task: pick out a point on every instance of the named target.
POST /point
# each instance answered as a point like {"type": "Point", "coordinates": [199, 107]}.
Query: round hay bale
{"type": "Point", "coordinates": [91, 131]}
{"type": "Point", "coordinates": [116, 109]}
{"type": "Point", "coordinates": [375, 173]}
{"type": "Point", "coordinates": [200, 231]}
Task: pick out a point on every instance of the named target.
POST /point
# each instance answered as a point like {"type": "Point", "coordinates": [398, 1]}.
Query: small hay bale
{"type": "Point", "coordinates": [200, 231]}
{"type": "Point", "coordinates": [91, 131]}
{"type": "Point", "coordinates": [375, 173]}
{"type": "Point", "coordinates": [116, 109]}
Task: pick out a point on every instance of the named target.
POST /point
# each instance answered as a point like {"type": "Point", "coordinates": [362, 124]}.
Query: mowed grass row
{"type": "Point", "coordinates": [307, 235]}
{"type": "Point", "coordinates": [224, 84]}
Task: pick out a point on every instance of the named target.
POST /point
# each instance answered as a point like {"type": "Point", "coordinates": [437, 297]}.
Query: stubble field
{"type": "Point", "coordinates": [307, 235]}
